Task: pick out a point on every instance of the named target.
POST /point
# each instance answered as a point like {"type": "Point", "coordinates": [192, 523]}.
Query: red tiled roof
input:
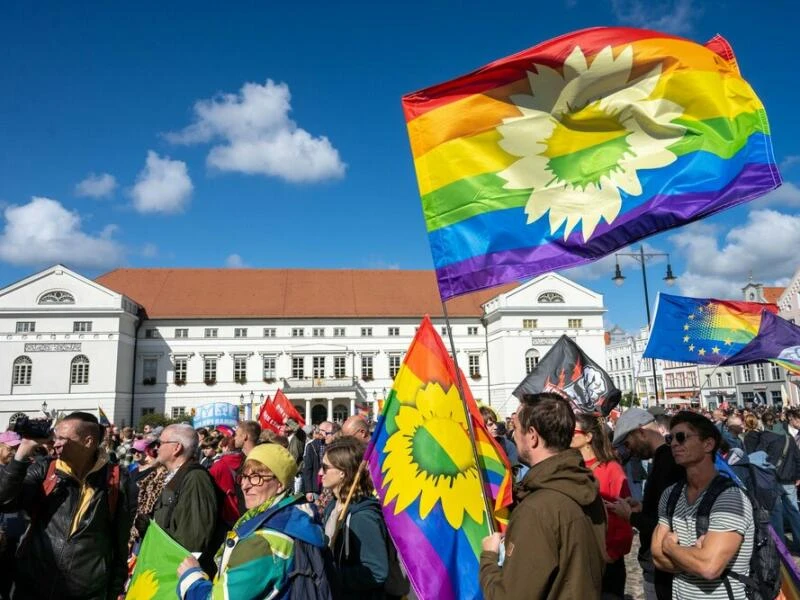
{"type": "Point", "coordinates": [771, 294]}
{"type": "Point", "coordinates": [253, 293]}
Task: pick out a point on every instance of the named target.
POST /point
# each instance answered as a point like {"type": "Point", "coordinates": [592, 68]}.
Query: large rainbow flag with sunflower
{"type": "Point", "coordinates": [422, 463]}
{"type": "Point", "coordinates": [565, 152]}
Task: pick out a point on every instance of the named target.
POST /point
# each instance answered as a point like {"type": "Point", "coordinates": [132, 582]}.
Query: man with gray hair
{"type": "Point", "coordinates": [187, 507]}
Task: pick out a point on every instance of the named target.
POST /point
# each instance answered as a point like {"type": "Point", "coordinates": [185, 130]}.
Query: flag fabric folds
{"type": "Point", "coordinates": [567, 371]}
{"type": "Point", "coordinates": [702, 330]}
{"type": "Point", "coordinates": [155, 576]}
{"type": "Point", "coordinates": [286, 409]}
{"type": "Point", "coordinates": [102, 418]}
{"type": "Point", "coordinates": [565, 152]}
{"type": "Point", "coordinates": [778, 341]}
{"type": "Point", "coordinates": [269, 417]}
{"type": "Point", "coordinates": [422, 463]}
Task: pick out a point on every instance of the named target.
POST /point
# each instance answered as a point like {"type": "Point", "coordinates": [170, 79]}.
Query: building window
{"type": "Point", "coordinates": [318, 332]}
{"type": "Point", "coordinates": [23, 369]}
{"type": "Point", "coordinates": [81, 326]}
{"type": "Point", "coordinates": [748, 396]}
{"type": "Point", "coordinates": [628, 362]}
{"type": "Point", "coordinates": [240, 369]}
{"type": "Point", "coordinates": [551, 298]}
{"type": "Point", "coordinates": [269, 332]}
{"type": "Point", "coordinates": [149, 370]}
{"type": "Point", "coordinates": [529, 323]}
{"type": "Point", "coordinates": [339, 367]}
{"type": "Point", "coordinates": [775, 371]}
{"type": "Point", "coordinates": [338, 332]}
{"type": "Point", "coordinates": [210, 370]}
{"type": "Point", "coordinates": [57, 297]}
{"type": "Point", "coordinates": [394, 331]}
{"type": "Point", "coordinates": [719, 379]}
{"type": "Point", "coordinates": [318, 367]}
{"type": "Point", "coordinates": [445, 331]}
{"type": "Point", "coordinates": [472, 331]}
{"type": "Point", "coordinates": [151, 333]}
{"type": "Point", "coordinates": [210, 332]}
{"type": "Point", "coordinates": [366, 332]}
{"type": "Point", "coordinates": [269, 368]}
{"type": "Point", "coordinates": [298, 332]}
{"type": "Point", "coordinates": [340, 413]}
{"type": "Point", "coordinates": [26, 326]}
{"type": "Point", "coordinates": [729, 378]}
{"type": "Point", "coordinates": [574, 323]}
{"type": "Point", "coordinates": [181, 333]}
{"type": "Point", "coordinates": [240, 332]}
{"type": "Point", "coordinates": [180, 371]}
{"type": "Point", "coordinates": [475, 366]}
{"type": "Point", "coordinates": [531, 360]}
{"type": "Point", "coordinates": [79, 370]}
{"type": "Point", "coordinates": [760, 371]}
{"type": "Point", "coordinates": [777, 397]}
{"type": "Point", "coordinates": [746, 376]}
{"type": "Point", "coordinates": [178, 412]}
{"type": "Point", "coordinates": [366, 368]}
{"type": "Point", "coordinates": [147, 411]}
{"type": "Point", "coordinates": [298, 367]}
{"type": "Point", "coordinates": [394, 365]}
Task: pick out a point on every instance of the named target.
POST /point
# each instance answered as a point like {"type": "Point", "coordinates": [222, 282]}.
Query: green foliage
{"type": "Point", "coordinates": [159, 420]}
{"type": "Point", "coordinates": [629, 399]}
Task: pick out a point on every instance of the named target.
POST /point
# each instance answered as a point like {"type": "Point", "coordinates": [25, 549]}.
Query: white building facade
{"type": "Point", "coordinates": [139, 341]}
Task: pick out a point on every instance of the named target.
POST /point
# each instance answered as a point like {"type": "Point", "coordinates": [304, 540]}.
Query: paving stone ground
{"type": "Point", "coordinates": [633, 581]}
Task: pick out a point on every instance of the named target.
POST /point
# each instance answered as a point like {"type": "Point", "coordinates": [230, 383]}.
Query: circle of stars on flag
{"type": "Point", "coordinates": [697, 330]}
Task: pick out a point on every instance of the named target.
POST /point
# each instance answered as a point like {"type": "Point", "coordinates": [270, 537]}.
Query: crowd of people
{"type": "Point", "coordinates": [255, 508]}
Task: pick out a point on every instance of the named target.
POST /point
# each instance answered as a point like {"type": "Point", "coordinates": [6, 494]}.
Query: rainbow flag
{"type": "Point", "coordinates": [702, 330]}
{"type": "Point", "coordinates": [102, 418]}
{"type": "Point", "coordinates": [422, 463]}
{"type": "Point", "coordinates": [565, 152]}
{"type": "Point", "coordinates": [778, 341]}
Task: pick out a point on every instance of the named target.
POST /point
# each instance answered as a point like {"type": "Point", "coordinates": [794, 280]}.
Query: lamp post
{"type": "Point", "coordinates": [241, 406]}
{"type": "Point", "coordinates": [669, 279]}
{"type": "Point", "coordinates": [44, 408]}
{"type": "Point", "coordinates": [252, 399]}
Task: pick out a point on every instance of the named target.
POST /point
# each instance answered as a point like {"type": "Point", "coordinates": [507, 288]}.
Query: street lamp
{"type": "Point", "coordinates": [44, 407]}
{"type": "Point", "coordinates": [669, 279]}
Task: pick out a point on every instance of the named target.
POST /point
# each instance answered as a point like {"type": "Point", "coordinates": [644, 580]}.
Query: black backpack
{"type": "Point", "coordinates": [764, 581]}
{"type": "Point", "coordinates": [310, 578]}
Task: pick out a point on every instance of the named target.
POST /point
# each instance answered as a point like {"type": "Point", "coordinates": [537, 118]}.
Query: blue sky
{"type": "Point", "coordinates": [114, 154]}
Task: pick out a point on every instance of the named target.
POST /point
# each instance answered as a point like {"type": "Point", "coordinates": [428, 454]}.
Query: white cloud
{"type": "Point", "coordinates": [234, 261]}
{"type": "Point", "coordinates": [790, 161]}
{"type": "Point", "coordinates": [604, 268]}
{"type": "Point", "coordinates": [381, 264]}
{"type": "Point", "coordinates": [96, 186]}
{"type": "Point", "coordinates": [162, 186]}
{"type": "Point", "coordinates": [149, 250]}
{"type": "Point", "coordinates": [44, 232]}
{"type": "Point", "coordinates": [766, 246]}
{"type": "Point", "coordinates": [672, 16]}
{"type": "Point", "coordinates": [787, 195]}
{"type": "Point", "coordinates": [258, 137]}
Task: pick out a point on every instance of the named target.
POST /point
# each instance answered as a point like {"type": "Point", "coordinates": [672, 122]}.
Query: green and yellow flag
{"type": "Point", "coordinates": [155, 575]}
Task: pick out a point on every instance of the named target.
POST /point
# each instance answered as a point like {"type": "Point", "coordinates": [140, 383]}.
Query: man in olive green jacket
{"type": "Point", "coordinates": [555, 541]}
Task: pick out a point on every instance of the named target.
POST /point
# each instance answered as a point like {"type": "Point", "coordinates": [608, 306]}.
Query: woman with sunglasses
{"type": "Point", "coordinates": [358, 537]}
{"type": "Point", "coordinates": [258, 556]}
{"type": "Point", "coordinates": [598, 455]}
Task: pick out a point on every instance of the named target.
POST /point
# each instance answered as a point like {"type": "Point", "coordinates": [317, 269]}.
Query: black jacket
{"type": "Point", "coordinates": [53, 561]}
{"type": "Point", "coordinates": [785, 457]}
{"type": "Point", "coordinates": [312, 462]}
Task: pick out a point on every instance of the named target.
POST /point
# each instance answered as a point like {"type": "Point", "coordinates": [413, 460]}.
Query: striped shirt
{"type": "Point", "coordinates": [731, 511]}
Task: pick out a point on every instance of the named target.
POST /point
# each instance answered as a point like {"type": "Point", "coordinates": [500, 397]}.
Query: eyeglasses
{"type": "Point", "coordinates": [326, 468]}
{"type": "Point", "coordinates": [679, 437]}
{"type": "Point", "coordinates": [325, 433]}
{"type": "Point", "coordinates": [581, 431]}
{"type": "Point", "coordinates": [254, 479]}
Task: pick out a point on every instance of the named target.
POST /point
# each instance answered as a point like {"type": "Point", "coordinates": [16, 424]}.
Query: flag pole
{"type": "Point", "coordinates": [472, 439]}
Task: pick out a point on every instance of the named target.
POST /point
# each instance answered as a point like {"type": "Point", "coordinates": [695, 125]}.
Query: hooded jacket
{"type": "Point", "coordinates": [555, 541]}
{"type": "Point", "coordinates": [360, 550]}
{"type": "Point", "coordinates": [74, 539]}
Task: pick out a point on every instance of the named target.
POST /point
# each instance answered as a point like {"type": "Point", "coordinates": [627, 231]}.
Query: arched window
{"type": "Point", "coordinates": [550, 298]}
{"type": "Point", "coordinates": [340, 412]}
{"type": "Point", "coordinates": [531, 360]}
{"type": "Point", "coordinates": [79, 370]}
{"type": "Point", "coordinates": [57, 297]}
{"type": "Point", "coordinates": [23, 368]}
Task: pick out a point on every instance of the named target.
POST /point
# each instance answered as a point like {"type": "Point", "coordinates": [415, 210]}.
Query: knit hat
{"type": "Point", "coordinates": [277, 459]}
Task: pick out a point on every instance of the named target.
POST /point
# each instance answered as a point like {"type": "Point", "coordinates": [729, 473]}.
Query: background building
{"type": "Point", "coordinates": [137, 341]}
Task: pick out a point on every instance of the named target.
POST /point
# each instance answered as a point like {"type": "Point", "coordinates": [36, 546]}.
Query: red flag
{"type": "Point", "coordinates": [287, 409]}
{"type": "Point", "coordinates": [269, 418]}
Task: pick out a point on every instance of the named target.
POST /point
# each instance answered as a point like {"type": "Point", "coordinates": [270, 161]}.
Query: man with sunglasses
{"type": "Point", "coordinates": [638, 431]}
{"type": "Point", "coordinates": [703, 566]}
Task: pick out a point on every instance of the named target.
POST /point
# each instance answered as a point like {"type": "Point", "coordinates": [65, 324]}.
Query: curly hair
{"type": "Point", "coordinates": [346, 454]}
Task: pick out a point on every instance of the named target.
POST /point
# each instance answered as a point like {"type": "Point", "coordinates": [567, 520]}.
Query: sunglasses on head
{"type": "Point", "coordinates": [679, 437]}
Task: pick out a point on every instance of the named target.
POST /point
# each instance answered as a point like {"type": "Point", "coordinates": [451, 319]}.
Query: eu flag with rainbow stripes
{"type": "Point", "coordinates": [565, 152]}
{"type": "Point", "coordinates": [702, 330]}
{"type": "Point", "coordinates": [422, 463]}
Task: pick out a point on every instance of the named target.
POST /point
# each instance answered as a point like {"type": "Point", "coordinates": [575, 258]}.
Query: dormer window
{"type": "Point", "coordinates": [57, 297]}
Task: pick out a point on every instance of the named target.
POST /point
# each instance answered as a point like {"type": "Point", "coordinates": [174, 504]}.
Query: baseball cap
{"type": "Point", "coordinates": [9, 438]}
{"type": "Point", "coordinates": [143, 444]}
{"type": "Point", "coordinates": [631, 419]}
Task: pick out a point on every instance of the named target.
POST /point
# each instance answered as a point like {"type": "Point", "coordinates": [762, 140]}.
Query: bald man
{"type": "Point", "coordinates": [357, 427]}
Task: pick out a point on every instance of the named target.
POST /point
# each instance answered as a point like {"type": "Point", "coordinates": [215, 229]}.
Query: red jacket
{"type": "Point", "coordinates": [224, 472]}
{"type": "Point", "coordinates": [613, 487]}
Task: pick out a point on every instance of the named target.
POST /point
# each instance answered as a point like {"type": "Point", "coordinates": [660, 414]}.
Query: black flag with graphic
{"type": "Point", "coordinates": [568, 372]}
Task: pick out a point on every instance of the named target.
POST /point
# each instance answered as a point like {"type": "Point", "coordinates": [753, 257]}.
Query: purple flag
{"type": "Point", "coordinates": [778, 340]}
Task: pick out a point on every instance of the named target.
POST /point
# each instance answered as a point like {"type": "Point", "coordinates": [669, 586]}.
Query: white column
{"type": "Point", "coordinates": [308, 412]}
{"type": "Point", "coordinates": [352, 406]}
{"type": "Point", "coordinates": [330, 409]}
